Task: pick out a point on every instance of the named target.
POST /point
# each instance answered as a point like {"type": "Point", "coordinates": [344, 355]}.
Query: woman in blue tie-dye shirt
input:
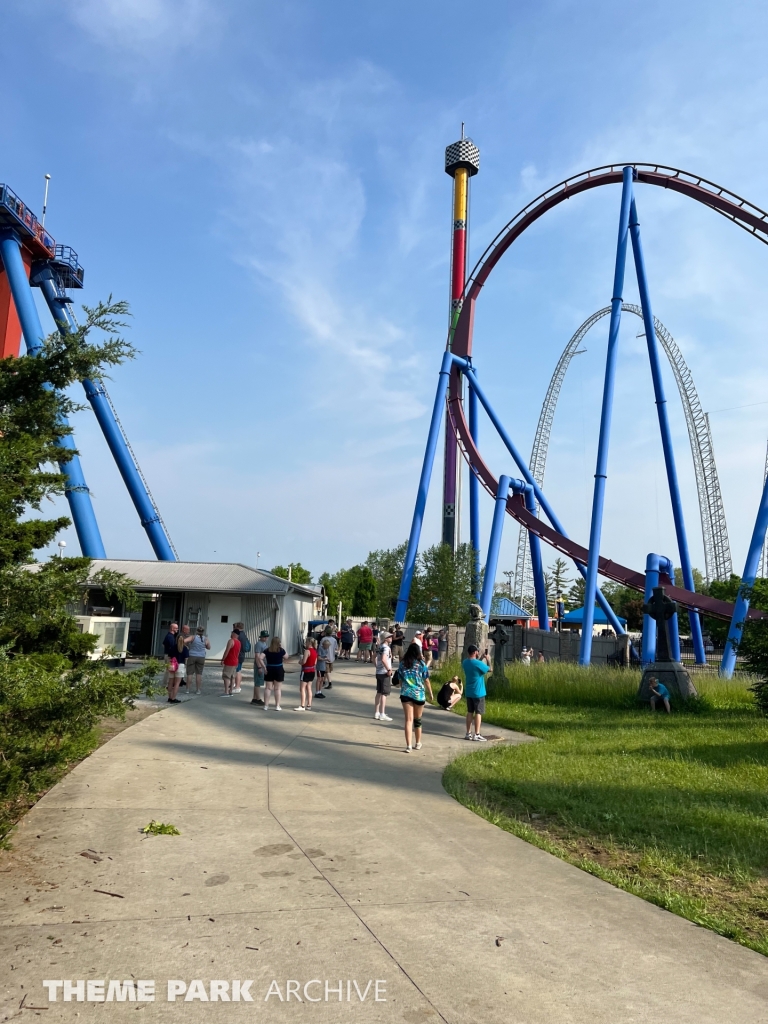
{"type": "Point", "coordinates": [414, 679]}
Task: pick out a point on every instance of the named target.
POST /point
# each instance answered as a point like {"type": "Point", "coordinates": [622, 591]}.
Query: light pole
{"type": "Point", "coordinates": [509, 573]}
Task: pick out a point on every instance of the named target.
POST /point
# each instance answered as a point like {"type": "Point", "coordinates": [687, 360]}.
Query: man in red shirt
{"type": "Point", "coordinates": [364, 642]}
{"type": "Point", "coordinates": [229, 663]}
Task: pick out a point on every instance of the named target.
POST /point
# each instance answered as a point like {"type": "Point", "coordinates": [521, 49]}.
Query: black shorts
{"type": "Point", "coordinates": [410, 700]}
{"type": "Point", "coordinates": [346, 647]}
{"type": "Point", "coordinates": [476, 705]}
{"type": "Point", "coordinates": [384, 685]}
{"type": "Point", "coordinates": [308, 677]}
{"type": "Point", "coordinates": [274, 675]}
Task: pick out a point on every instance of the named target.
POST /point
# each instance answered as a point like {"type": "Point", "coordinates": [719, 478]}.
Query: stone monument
{"type": "Point", "coordinates": [497, 683]}
{"type": "Point", "coordinates": [476, 632]}
{"type": "Point", "coordinates": [671, 673]}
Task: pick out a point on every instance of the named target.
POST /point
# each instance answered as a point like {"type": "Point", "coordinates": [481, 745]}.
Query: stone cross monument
{"type": "Point", "coordinates": [661, 609]}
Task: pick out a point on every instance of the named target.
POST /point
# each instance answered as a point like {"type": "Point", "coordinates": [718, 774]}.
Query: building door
{"type": "Point", "coordinates": [223, 612]}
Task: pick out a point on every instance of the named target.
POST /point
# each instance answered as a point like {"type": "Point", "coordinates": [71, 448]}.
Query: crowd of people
{"type": "Point", "coordinates": [185, 655]}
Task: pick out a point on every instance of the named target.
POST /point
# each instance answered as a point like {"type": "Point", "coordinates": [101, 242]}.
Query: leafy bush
{"type": "Point", "coordinates": [47, 719]}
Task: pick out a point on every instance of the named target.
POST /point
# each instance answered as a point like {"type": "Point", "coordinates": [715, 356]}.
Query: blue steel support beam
{"type": "Point", "coordinates": [537, 565]}
{"type": "Point", "coordinates": [75, 489]}
{"type": "Point", "coordinates": [601, 469]}
{"type": "Point", "coordinates": [728, 664]}
{"type": "Point", "coordinates": [474, 496]}
{"type": "Point", "coordinates": [528, 477]}
{"type": "Point", "coordinates": [494, 545]}
{"type": "Point", "coordinates": [666, 433]}
{"type": "Point", "coordinates": [654, 565]}
{"type": "Point", "coordinates": [426, 475]}
{"type": "Point", "coordinates": [96, 395]}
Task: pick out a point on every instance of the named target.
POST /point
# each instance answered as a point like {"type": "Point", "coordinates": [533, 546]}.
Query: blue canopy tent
{"type": "Point", "coordinates": [576, 616]}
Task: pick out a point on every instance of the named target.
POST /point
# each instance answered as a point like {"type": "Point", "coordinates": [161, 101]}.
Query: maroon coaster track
{"type": "Point", "coordinates": [736, 209]}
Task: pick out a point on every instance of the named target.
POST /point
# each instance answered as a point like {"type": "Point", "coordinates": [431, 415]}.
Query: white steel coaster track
{"type": "Point", "coordinates": [714, 530]}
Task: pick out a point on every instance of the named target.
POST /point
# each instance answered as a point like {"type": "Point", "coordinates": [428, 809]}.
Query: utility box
{"type": "Point", "coordinates": [112, 632]}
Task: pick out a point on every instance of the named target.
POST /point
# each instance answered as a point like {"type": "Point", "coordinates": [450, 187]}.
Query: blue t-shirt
{"type": "Point", "coordinates": [663, 691]}
{"type": "Point", "coordinates": [474, 674]}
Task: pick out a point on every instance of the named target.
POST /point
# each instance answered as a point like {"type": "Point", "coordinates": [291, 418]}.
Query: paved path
{"type": "Point", "coordinates": [313, 847]}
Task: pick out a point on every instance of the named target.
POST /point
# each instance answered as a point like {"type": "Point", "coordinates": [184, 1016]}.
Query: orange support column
{"type": "Point", "coordinates": [10, 326]}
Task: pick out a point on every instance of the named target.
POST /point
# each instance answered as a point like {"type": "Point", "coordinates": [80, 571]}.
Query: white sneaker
{"type": "Point", "coordinates": [407, 750]}
{"type": "Point", "coordinates": [480, 739]}
{"type": "Point", "coordinates": [238, 690]}
{"type": "Point", "coordinates": [468, 736]}
{"type": "Point", "coordinates": [377, 716]}
{"type": "Point", "coordinates": [417, 747]}
{"type": "Point", "coordinates": [223, 694]}
{"type": "Point", "coordinates": [302, 708]}
{"type": "Point", "coordinates": [278, 708]}
{"type": "Point", "coordinates": [385, 718]}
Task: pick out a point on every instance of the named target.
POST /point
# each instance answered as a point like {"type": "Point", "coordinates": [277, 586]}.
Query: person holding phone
{"type": "Point", "coordinates": [475, 668]}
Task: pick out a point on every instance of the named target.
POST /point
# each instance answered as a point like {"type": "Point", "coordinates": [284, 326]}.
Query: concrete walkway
{"type": "Point", "coordinates": [313, 847]}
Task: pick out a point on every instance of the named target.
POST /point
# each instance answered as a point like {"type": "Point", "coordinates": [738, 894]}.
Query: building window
{"type": "Point", "coordinates": [225, 618]}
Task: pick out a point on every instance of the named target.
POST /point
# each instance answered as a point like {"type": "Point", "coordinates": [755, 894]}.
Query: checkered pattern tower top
{"type": "Point", "coordinates": [463, 153]}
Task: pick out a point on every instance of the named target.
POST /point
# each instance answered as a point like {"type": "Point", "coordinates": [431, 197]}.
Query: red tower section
{"type": "Point", "coordinates": [10, 327]}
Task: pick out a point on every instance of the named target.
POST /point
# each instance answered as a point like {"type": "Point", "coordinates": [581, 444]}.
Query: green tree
{"type": "Point", "coordinates": [626, 602]}
{"type": "Point", "coordinates": [559, 580]}
{"type": "Point", "coordinates": [50, 696]}
{"type": "Point", "coordinates": [386, 567]}
{"type": "Point", "coordinates": [576, 593]}
{"type": "Point", "coordinates": [442, 589]}
{"type": "Point", "coordinates": [364, 597]}
{"type": "Point", "coordinates": [298, 573]}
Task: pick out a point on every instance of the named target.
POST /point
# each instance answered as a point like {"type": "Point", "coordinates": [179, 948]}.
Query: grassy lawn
{"type": "Point", "coordinates": [671, 808]}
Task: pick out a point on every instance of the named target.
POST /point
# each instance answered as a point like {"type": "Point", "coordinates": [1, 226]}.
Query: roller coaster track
{"type": "Point", "coordinates": [714, 530]}
{"type": "Point", "coordinates": [727, 204]}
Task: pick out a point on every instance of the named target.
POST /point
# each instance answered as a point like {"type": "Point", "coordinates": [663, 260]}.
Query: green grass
{"type": "Point", "coordinates": [672, 808]}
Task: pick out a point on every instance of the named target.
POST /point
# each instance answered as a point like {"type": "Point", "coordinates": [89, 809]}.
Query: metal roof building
{"type": "Point", "coordinates": [214, 595]}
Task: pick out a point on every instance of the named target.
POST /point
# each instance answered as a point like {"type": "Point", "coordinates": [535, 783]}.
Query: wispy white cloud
{"type": "Point", "coordinates": [140, 24]}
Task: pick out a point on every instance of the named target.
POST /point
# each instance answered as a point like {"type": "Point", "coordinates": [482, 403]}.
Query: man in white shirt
{"type": "Point", "coordinates": [418, 639]}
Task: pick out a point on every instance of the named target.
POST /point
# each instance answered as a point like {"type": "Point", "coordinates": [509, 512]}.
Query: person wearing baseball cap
{"type": "Point", "coordinates": [383, 676]}
{"type": "Point", "coordinates": [259, 667]}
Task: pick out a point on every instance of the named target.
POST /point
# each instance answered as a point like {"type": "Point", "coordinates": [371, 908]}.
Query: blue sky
{"type": "Point", "coordinates": [264, 184]}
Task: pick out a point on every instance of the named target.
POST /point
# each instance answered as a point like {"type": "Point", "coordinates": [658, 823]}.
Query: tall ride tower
{"type": "Point", "coordinates": [462, 161]}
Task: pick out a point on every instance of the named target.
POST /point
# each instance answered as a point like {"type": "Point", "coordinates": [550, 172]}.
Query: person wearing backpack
{"type": "Point", "coordinates": [245, 648]}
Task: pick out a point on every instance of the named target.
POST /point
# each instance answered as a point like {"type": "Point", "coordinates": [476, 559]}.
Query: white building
{"type": "Point", "coordinates": [214, 595]}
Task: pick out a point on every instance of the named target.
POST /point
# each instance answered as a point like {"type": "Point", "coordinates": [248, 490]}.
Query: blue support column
{"type": "Point", "coordinates": [537, 564]}
{"type": "Point", "coordinates": [528, 477]}
{"type": "Point", "coordinates": [666, 434]}
{"type": "Point", "coordinates": [423, 491]}
{"type": "Point", "coordinates": [474, 494]}
{"type": "Point", "coordinates": [494, 545]}
{"type": "Point", "coordinates": [97, 396]}
{"type": "Point", "coordinates": [601, 469]}
{"type": "Point", "coordinates": [728, 664]}
{"type": "Point", "coordinates": [76, 490]}
{"type": "Point", "coordinates": [654, 565]}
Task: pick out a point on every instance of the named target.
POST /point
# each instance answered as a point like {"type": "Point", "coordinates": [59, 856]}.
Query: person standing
{"type": "Point", "coordinates": [383, 677]}
{"type": "Point", "coordinates": [475, 669]}
{"type": "Point", "coordinates": [229, 662]}
{"type": "Point", "coordinates": [418, 639]}
{"type": "Point", "coordinates": [275, 674]}
{"type": "Point", "coordinates": [196, 660]}
{"type": "Point", "coordinates": [307, 676]}
{"type": "Point", "coordinates": [426, 647]}
{"type": "Point", "coordinates": [414, 678]}
{"type": "Point", "coordinates": [364, 642]}
{"type": "Point", "coordinates": [322, 668]}
{"type": "Point", "coordinates": [169, 653]}
{"type": "Point", "coordinates": [259, 667]}
{"type": "Point", "coordinates": [347, 639]}
{"type": "Point", "coordinates": [398, 639]}
{"type": "Point", "coordinates": [245, 648]}
{"type": "Point", "coordinates": [330, 655]}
